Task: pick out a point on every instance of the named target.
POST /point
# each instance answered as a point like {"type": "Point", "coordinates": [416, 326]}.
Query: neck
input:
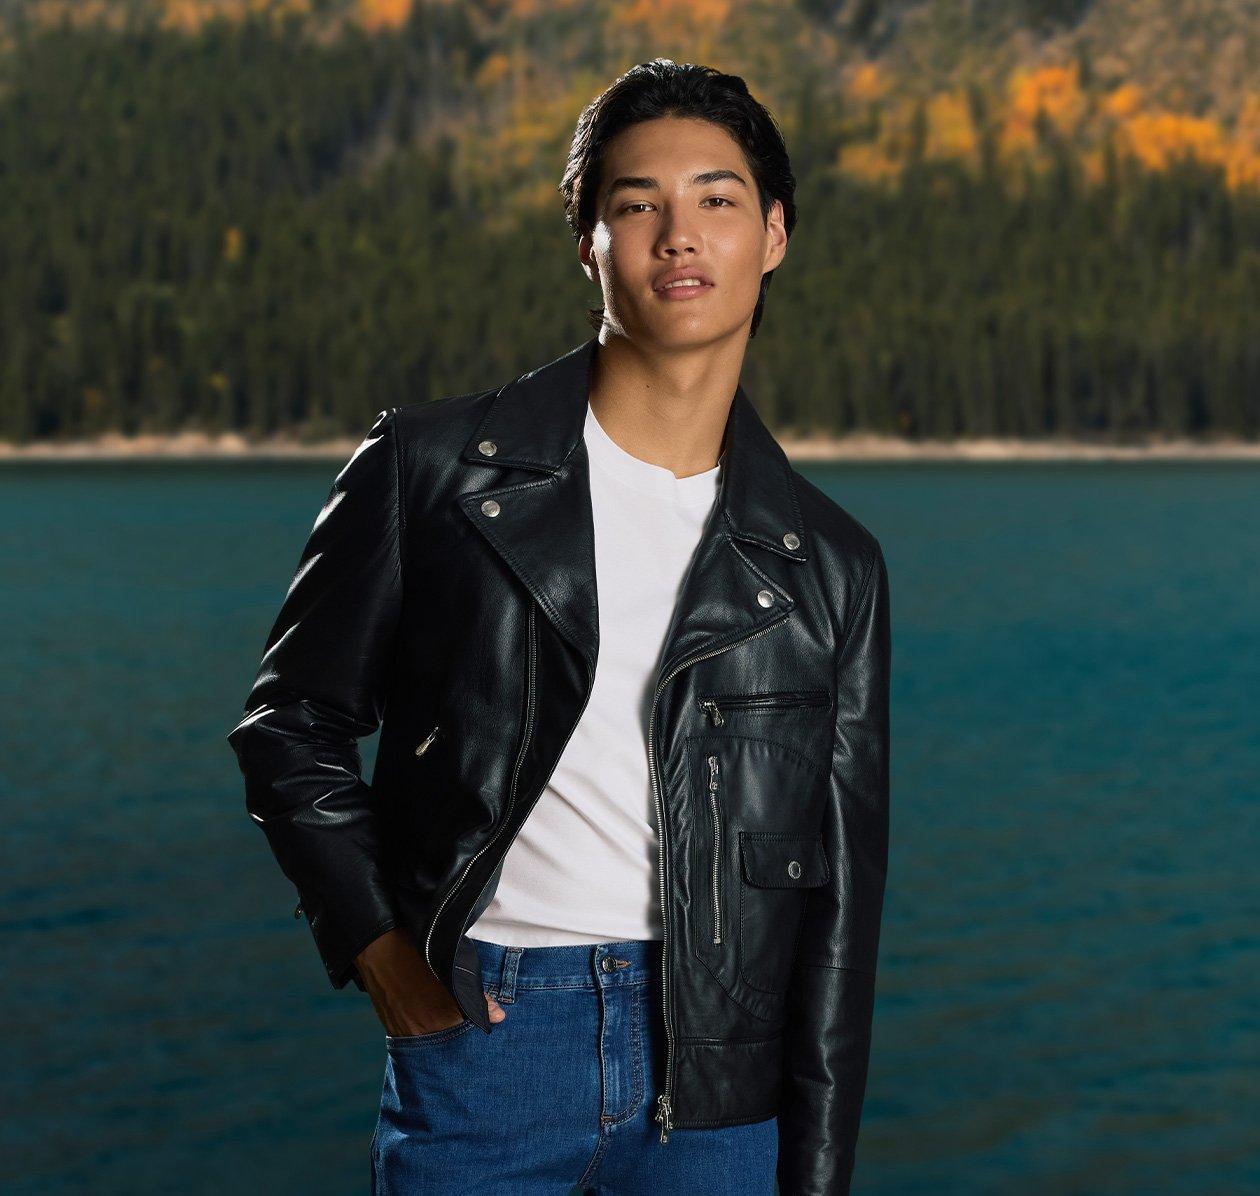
{"type": "Point", "coordinates": [667, 408]}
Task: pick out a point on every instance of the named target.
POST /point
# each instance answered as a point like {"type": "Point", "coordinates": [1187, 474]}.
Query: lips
{"type": "Point", "coordinates": [675, 294]}
{"type": "Point", "coordinates": [662, 281]}
{"type": "Point", "coordinates": [694, 284]}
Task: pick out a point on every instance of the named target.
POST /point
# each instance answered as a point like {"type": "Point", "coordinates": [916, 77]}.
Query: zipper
{"type": "Point", "coordinates": [516, 768]}
{"type": "Point", "coordinates": [717, 847]}
{"type": "Point", "coordinates": [664, 1107]}
{"type": "Point", "coordinates": [427, 742]}
{"type": "Point", "coordinates": [712, 705]}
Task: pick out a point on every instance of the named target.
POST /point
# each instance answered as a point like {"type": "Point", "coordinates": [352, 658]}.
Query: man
{"type": "Point", "coordinates": [630, 808]}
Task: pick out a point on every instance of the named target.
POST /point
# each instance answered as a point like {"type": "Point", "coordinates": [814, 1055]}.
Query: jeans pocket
{"type": "Point", "coordinates": [432, 1038]}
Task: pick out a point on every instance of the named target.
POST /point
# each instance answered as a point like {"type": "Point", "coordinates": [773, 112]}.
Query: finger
{"type": "Point", "coordinates": [497, 1013]}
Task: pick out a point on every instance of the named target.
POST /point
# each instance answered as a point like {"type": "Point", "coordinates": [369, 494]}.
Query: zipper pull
{"type": "Point", "coordinates": [427, 742]}
{"type": "Point", "coordinates": [663, 1116]}
{"type": "Point", "coordinates": [711, 708]}
{"type": "Point", "coordinates": [297, 913]}
{"type": "Point", "coordinates": [713, 769]}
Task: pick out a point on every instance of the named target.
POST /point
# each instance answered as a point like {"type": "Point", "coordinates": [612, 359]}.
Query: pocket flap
{"type": "Point", "coordinates": [781, 861]}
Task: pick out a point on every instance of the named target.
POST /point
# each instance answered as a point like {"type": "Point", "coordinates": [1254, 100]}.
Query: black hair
{"type": "Point", "coordinates": [663, 87]}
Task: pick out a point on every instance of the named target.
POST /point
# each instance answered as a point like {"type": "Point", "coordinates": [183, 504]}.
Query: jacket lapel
{"type": "Point", "coordinates": [542, 526]}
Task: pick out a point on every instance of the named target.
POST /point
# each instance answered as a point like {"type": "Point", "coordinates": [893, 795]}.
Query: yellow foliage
{"type": "Point", "coordinates": [669, 15]}
{"type": "Point", "coordinates": [188, 16]}
{"type": "Point", "coordinates": [1052, 90]}
{"type": "Point", "coordinates": [1124, 101]}
{"type": "Point", "coordinates": [866, 82]}
{"type": "Point", "coordinates": [493, 71]}
{"type": "Point", "coordinates": [1242, 163]}
{"type": "Point", "coordinates": [1158, 138]}
{"type": "Point", "coordinates": [384, 14]}
{"type": "Point", "coordinates": [232, 244]}
{"type": "Point", "coordinates": [869, 161]}
{"type": "Point", "coordinates": [1155, 134]}
{"type": "Point", "coordinates": [951, 133]}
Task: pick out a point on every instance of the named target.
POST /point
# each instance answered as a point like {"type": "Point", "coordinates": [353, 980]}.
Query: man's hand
{"type": "Point", "coordinates": [407, 996]}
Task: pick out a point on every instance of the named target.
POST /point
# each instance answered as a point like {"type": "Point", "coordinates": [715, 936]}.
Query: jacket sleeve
{"type": "Point", "coordinates": [831, 994]}
{"type": "Point", "coordinates": [320, 688]}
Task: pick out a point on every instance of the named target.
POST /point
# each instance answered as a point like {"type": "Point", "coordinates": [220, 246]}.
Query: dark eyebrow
{"type": "Point", "coordinates": [643, 182]}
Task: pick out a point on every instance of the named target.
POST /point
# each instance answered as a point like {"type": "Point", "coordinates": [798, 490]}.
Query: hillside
{"type": "Point", "coordinates": [1018, 219]}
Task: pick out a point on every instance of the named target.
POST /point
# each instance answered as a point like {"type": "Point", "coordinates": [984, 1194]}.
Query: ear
{"type": "Point", "coordinates": [586, 255]}
{"type": "Point", "coordinates": [776, 238]}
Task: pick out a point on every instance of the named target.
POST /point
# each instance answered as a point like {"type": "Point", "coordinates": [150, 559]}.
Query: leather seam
{"type": "Point", "coordinates": [857, 605]}
{"type": "Point", "coordinates": [835, 967]}
{"type": "Point", "coordinates": [813, 765]}
{"type": "Point", "coordinates": [761, 1017]}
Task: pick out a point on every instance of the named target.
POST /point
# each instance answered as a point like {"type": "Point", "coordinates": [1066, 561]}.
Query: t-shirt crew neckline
{"type": "Point", "coordinates": [697, 490]}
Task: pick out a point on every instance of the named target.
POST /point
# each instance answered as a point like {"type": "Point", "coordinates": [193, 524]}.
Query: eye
{"type": "Point", "coordinates": [722, 199]}
{"type": "Point", "coordinates": [640, 204]}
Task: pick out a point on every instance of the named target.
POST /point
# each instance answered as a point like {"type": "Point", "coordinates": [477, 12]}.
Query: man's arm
{"type": "Point", "coordinates": [832, 991]}
{"type": "Point", "coordinates": [320, 689]}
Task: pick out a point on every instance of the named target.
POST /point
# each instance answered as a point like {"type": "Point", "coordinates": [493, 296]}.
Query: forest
{"type": "Point", "coordinates": [286, 215]}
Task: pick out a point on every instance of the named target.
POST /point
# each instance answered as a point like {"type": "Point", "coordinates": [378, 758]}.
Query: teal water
{"type": "Point", "coordinates": [1068, 998]}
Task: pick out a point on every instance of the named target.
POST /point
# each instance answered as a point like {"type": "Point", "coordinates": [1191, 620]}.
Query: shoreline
{"type": "Point", "coordinates": [858, 446]}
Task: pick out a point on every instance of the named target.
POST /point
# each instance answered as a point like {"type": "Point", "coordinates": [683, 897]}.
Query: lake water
{"type": "Point", "coordinates": [1068, 991]}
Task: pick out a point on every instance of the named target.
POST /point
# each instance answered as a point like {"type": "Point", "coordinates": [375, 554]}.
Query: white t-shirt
{"type": "Point", "coordinates": [583, 867]}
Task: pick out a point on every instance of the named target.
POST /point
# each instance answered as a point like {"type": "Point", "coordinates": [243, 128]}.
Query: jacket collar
{"type": "Point", "coordinates": [537, 421]}
{"type": "Point", "coordinates": [542, 528]}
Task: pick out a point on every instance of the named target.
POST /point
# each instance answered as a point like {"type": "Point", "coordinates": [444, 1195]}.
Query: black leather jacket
{"type": "Point", "coordinates": [447, 595]}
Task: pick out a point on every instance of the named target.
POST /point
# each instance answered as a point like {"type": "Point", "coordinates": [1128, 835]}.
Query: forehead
{"type": "Point", "coordinates": [669, 147]}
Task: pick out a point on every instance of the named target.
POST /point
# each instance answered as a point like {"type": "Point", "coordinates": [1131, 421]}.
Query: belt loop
{"type": "Point", "coordinates": [507, 982]}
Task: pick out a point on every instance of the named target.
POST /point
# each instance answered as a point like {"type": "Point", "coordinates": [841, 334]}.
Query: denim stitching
{"type": "Point", "coordinates": [507, 984]}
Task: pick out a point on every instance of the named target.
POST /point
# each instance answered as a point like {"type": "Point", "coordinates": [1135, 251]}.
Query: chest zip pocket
{"type": "Point", "coordinates": [714, 704]}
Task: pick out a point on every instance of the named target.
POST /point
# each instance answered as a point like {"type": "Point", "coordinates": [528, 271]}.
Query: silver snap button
{"type": "Point", "coordinates": [606, 963]}
{"type": "Point", "coordinates": [488, 447]}
{"type": "Point", "coordinates": [765, 598]}
{"type": "Point", "coordinates": [490, 507]}
{"type": "Point", "coordinates": [792, 540]}
{"type": "Point", "coordinates": [794, 869]}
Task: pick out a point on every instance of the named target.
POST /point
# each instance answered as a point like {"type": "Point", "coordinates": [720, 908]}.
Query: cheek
{"type": "Point", "coordinates": [742, 256]}
{"type": "Point", "coordinates": [616, 263]}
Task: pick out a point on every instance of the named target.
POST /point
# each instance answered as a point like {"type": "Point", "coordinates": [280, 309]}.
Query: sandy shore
{"type": "Point", "coordinates": [856, 447]}
{"type": "Point", "coordinates": [867, 447]}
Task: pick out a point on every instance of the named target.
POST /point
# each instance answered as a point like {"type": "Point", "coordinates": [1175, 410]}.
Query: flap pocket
{"type": "Point", "coordinates": [775, 860]}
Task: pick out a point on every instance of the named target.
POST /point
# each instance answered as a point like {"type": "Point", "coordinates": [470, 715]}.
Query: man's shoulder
{"type": "Point", "coordinates": [839, 536]}
{"type": "Point", "coordinates": [449, 418]}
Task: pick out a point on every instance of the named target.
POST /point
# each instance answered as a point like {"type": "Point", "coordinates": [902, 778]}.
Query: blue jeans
{"type": "Point", "coordinates": [559, 1095]}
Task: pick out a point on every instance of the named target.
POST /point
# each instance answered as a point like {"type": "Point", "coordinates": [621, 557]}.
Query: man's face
{"type": "Point", "coordinates": [652, 217]}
